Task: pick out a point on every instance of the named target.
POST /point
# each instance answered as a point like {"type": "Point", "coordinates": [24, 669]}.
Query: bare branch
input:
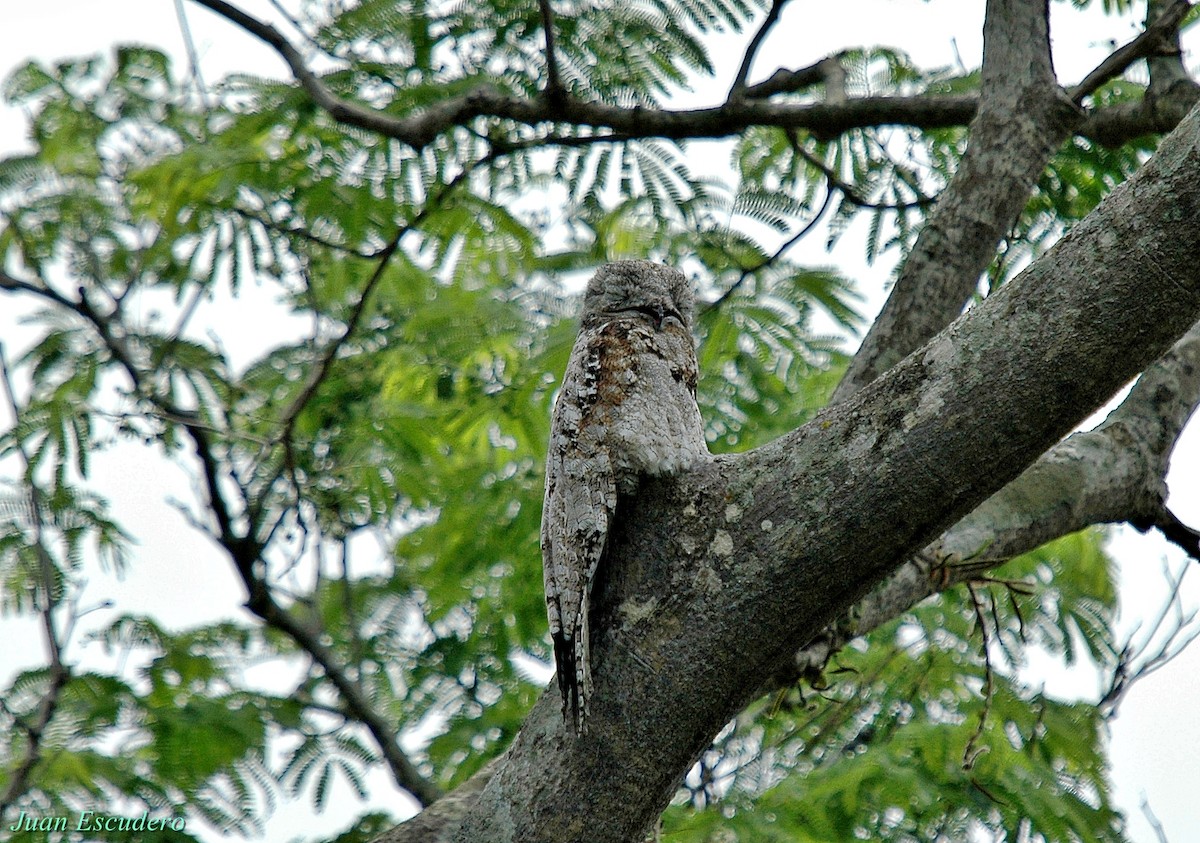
{"type": "Point", "coordinates": [190, 48]}
{"type": "Point", "coordinates": [1136, 661]}
{"type": "Point", "coordinates": [828, 70]}
{"type": "Point", "coordinates": [437, 824]}
{"type": "Point", "coordinates": [827, 119]}
{"type": "Point", "coordinates": [738, 89]}
{"type": "Point", "coordinates": [339, 109]}
{"type": "Point", "coordinates": [1022, 119]}
{"type": "Point", "coordinates": [294, 21]}
{"type": "Point", "coordinates": [972, 750]}
{"type": "Point", "coordinates": [325, 361]}
{"type": "Point", "coordinates": [1178, 533]}
{"type": "Point", "coordinates": [39, 289]}
{"type": "Point", "coordinates": [1158, 38]}
{"type": "Point", "coordinates": [554, 90]}
{"type": "Point", "coordinates": [1168, 73]}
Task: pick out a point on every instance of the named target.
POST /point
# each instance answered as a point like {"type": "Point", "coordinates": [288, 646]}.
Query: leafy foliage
{"type": "Point", "coordinates": [905, 743]}
{"type": "Point", "coordinates": [426, 434]}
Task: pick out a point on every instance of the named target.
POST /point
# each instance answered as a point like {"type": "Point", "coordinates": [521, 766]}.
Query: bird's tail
{"type": "Point", "coordinates": [574, 675]}
{"type": "Point", "coordinates": [565, 657]}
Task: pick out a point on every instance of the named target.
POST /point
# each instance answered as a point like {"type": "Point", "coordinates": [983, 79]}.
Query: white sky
{"type": "Point", "coordinates": [1156, 737]}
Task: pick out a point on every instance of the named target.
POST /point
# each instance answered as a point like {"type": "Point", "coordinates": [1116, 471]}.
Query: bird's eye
{"type": "Point", "coordinates": [656, 313]}
{"type": "Point", "coordinates": [649, 311]}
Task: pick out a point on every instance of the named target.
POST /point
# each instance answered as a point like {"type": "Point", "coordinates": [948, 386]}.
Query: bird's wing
{"type": "Point", "coordinates": [581, 497]}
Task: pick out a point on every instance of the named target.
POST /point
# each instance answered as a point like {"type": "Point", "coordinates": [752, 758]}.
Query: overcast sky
{"type": "Point", "coordinates": [1155, 738]}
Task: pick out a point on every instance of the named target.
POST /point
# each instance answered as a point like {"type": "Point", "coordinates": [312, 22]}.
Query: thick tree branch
{"type": "Point", "coordinates": [1120, 123]}
{"type": "Point", "coordinates": [746, 559]}
{"type": "Point", "coordinates": [1160, 37]}
{"type": "Point", "coordinates": [1167, 71]}
{"type": "Point", "coordinates": [1173, 530]}
{"type": "Point", "coordinates": [726, 120]}
{"type": "Point", "coordinates": [1110, 474]}
{"type": "Point", "coordinates": [828, 119]}
{"type": "Point", "coordinates": [1022, 119]}
{"type": "Point", "coordinates": [1103, 475]}
{"type": "Point", "coordinates": [828, 70]}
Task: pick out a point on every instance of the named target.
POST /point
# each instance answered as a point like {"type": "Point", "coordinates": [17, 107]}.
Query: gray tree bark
{"type": "Point", "coordinates": [1023, 117]}
{"type": "Point", "coordinates": [716, 579]}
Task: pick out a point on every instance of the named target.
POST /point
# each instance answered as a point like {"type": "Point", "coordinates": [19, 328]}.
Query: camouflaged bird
{"type": "Point", "coordinates": [626, 410]}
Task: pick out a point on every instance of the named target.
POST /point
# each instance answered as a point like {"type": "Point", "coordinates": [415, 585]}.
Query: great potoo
{"type": "Point", "coordinates": [626, 410]}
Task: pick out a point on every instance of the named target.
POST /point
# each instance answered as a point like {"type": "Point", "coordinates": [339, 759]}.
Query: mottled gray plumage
{"type": "Point", "coordinates": [626, 410]}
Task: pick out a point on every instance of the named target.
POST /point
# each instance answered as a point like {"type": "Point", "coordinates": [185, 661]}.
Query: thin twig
{"type": "Point", "coordinates": [301, 232]}
{"type": "Point", "coordinates": [189, 46]}
{"type": "Point", "coordinates": [176, 333]}
{"type": "Point", "coordinates": [59, 673]}
{"type": "Point", "coordinates": [292, 19]}
{"type": "Point", "coordinates": [851, 195]}
{"type": "Point", "coordinates": [778, 253]}
{"type": "Point", "coordinates": [978, 785]}
{"type": "Point", "coordinates": [351, 616]}
{"type": "Point", "coordinates": [1159, 831]}
{"type": "Point", "coordinates": [825, 726]}
{"type": "Point", "coordinates": [972, 751]}
{"type": "Point", "coordinates": [1133, 664]}
{"type": "Point", "coordinates": [42, 290]}
{"type": "Point", "coordinates": [738, 89]}
{"type": "Point", "coordinates": [554, 90]}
